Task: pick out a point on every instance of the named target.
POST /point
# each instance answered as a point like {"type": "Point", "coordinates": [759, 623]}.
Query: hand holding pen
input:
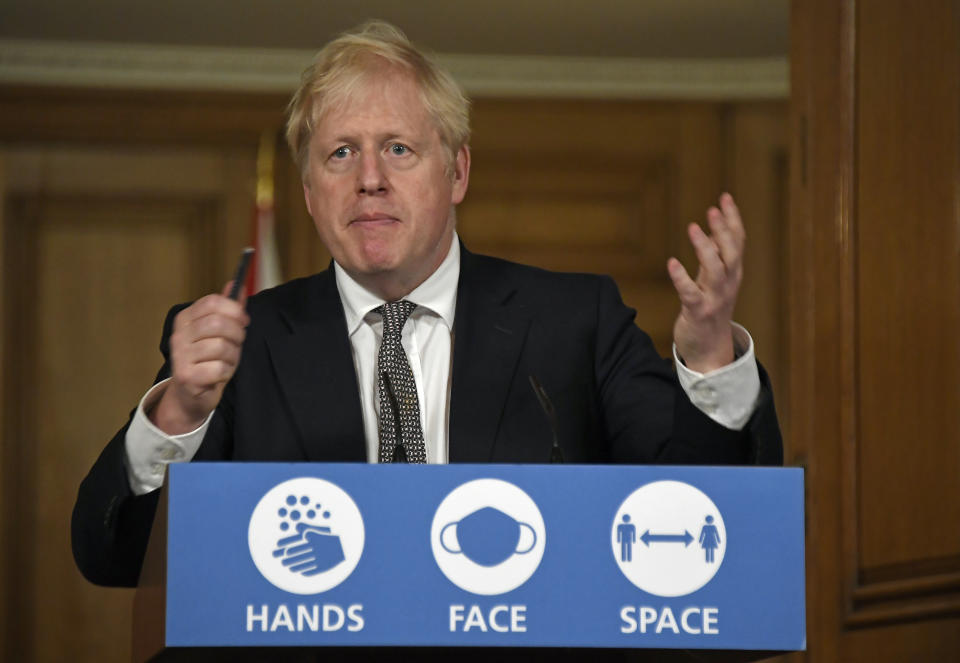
{"type": "Point", "coordinates": [204, 354]}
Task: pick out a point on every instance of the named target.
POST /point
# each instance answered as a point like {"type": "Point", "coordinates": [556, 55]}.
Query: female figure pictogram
{"type": "Point", "coordinates": [709, 539]}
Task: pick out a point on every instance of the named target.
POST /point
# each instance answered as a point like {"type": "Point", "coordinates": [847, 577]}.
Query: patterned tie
{"type": "Point", "coordinates": [392, 363]}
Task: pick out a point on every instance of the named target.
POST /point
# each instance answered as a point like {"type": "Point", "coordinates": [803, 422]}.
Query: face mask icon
{"type": "Point", "coordinates": [488, 537]}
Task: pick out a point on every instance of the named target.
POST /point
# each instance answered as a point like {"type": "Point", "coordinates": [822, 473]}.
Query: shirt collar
{"type": "Point", "coordinates": [438, 293]}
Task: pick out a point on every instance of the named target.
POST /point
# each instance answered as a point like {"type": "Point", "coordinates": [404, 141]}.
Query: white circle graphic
{"type": "Point", "coordinates": [668, 538]}
{"type": "Point", "coordinates": [488, 536]}
{"type": "Point", "coordinates": [306, 535]}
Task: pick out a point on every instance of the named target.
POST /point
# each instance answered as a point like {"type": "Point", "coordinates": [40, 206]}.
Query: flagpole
{"type": "Point", "coordinates": [265, 271]}
{"type": "Point", "coordinates": [265, 155]}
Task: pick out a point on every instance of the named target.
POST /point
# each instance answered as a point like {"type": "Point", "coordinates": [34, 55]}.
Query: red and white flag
{"type": "Point", "coordinates": [265, 267]}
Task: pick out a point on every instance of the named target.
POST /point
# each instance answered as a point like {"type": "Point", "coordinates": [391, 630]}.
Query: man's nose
{"type": "Point", "coordinates": [371, 179]}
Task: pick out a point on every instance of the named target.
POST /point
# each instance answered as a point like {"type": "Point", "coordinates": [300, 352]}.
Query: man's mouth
{"type": "Point", "coordinates": [373, 219]}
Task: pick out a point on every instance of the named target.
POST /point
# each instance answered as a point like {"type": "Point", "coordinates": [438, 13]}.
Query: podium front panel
{"type": "Point", "coordinates": [293, 555]}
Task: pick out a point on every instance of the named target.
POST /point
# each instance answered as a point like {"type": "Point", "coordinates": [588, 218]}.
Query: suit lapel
{"type": "Point", "coordinates": [489, 333]}
{"type": "Point", "coordinates": [314, 367]}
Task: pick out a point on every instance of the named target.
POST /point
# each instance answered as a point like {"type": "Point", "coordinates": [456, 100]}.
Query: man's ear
{"type": "Point", "coordinates": [306, 196]}
{"type": "Point", "coordinates": [461, 174]}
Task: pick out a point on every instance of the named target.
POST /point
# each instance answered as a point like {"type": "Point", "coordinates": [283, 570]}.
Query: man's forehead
{"type": "Point", "coordinates": [381, 98]}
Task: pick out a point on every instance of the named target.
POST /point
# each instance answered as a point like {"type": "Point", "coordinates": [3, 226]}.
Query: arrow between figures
{"type": "Point", "coordinates": [684, 538]}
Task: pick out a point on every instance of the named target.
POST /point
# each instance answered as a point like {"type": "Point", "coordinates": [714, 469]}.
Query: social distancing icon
{"type": "Point", "coordinates": [668, 538]}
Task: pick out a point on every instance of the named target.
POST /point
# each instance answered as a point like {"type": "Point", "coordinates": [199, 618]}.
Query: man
{"type": "Point", "coordinates": [411, 346]}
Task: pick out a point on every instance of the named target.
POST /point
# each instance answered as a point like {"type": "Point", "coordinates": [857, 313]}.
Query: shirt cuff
{"type": "Point", "coordinates": [729, 394]}
{"type": "Point", "coordinates": [150, 450]}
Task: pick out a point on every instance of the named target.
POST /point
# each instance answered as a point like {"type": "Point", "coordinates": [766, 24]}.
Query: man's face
{"type": "Point", "coordinates": [380, 186]}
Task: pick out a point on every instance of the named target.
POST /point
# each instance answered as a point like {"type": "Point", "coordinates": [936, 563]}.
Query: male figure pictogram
{"type": "Point", "coordinates": [626, 537]}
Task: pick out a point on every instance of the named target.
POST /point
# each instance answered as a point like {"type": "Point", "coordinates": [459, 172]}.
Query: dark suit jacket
{"type": "Point", "coordinates": [294, 396]}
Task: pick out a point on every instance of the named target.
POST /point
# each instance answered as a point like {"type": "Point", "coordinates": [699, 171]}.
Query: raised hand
{"type": "Point", "coordinates": [204, 354]}
{"type": "Point", "coordinates": [702, 331]}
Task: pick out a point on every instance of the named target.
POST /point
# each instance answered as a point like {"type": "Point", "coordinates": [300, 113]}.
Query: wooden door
{"type": "Point", "coordinates": [97, 244]}
{"type": "Point", "coordinates": [875, 320]}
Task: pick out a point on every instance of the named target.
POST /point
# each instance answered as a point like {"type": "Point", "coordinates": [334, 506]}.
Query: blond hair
{"type": "Point", "coordinates": [347, 61]}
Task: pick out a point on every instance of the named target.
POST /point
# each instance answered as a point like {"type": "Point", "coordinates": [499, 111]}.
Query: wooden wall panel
{"type": "Point", "coordinates": [613, 218]}
{"type": "Point", "coordinates": [4, 371]}
{"type": "Point", "coordinates": [610, 187]}
{"type": "Point", "coordinates": [875, 211]}
{"type": "Point", "coordinates": [908, 289]}
{"type": "Point", "coordinates": [910, 642]}
{"type": "Point", "coordinates": [821, 147]}
{"type": "Point", "coordinates": [301, 251]}
{"type": "Point", "coordinates": [224, 175]}
{"type": "Point", "coordinates": [101, 270]}
{"type": "Point", "coordinates": [756, 172]}
{"type": "Point", "coordinates": [100, 243]}
{"type": "Point", "coordinates": [121, 117]}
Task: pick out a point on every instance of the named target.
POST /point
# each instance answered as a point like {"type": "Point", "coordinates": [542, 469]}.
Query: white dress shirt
{"type": "Point", "coordinates": [727, 395]}
{"type": "Point", "coordinates": [427, 338]}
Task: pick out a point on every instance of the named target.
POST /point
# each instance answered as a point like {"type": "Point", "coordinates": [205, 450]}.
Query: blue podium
{"type": "Point", "coordinates": [666, 561]}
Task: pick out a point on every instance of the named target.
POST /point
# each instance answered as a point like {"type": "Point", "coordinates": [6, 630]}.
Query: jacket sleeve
{"type": "Point", "coordinates": [110, 525]}
{"type": "Point", "coordinates": [648, 418]}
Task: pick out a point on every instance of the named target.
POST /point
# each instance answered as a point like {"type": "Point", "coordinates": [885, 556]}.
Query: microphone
{"type": "Point", "coordinates": [399, 451]}
{"type": "Point", "coordinates": [556, 454]}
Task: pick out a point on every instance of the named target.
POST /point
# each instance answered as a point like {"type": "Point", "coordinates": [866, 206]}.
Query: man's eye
{"type": "Point", "coordinates": [398, 149]}
{"type": "Point", "coordinates": [341, 152]}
